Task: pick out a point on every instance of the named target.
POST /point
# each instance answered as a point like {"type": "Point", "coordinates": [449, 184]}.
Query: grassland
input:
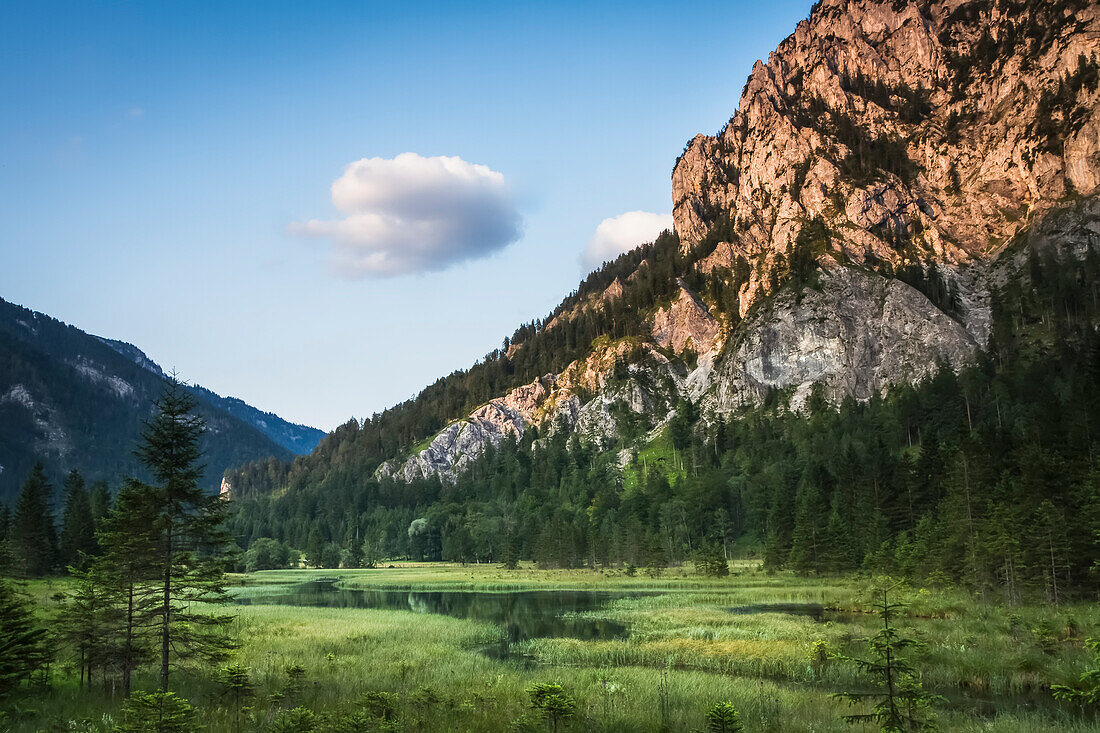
{"type": "Point", "coordinates": [685, 652]}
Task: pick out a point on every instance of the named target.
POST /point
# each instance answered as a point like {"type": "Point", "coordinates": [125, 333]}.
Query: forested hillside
{"type": "Point", "coordinates": [648, 277]}
{"type": "Point", "coordinates": [76, 401]}
{"type": "Point", "coordinates": [988, 477]}
{"type": "Point", "coordinates": [870, 342]}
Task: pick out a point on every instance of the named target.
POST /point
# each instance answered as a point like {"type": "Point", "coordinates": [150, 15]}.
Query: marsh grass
{"type": "Point", "coordinates": [686, 651]}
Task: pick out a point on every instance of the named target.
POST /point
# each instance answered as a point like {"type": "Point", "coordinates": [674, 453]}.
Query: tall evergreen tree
{"type": "Point", "coordinates": [191, 542]}
{"type": "Point", "coordinates": [129, 572]}
{"type": "Point", "coordinates": [100, 500]}
{"type": "Point", "coordinates": [77, 527]}
{"type": "Point", "coordinates": [34, 537]}
{"type": "Point", "coordinates": [5, 539]}
{"type": "Point", "coordinates": [23, 648]}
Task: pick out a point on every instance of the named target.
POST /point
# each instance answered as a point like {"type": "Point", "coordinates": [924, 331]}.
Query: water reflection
{"type": "Point", "coordinates": [814, 610]}
{"type": "Point", "coordinates": [521, 615]}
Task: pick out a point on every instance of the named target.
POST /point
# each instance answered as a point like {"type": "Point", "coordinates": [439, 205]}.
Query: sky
{"type": "Point", "coordinates": [321, 208]}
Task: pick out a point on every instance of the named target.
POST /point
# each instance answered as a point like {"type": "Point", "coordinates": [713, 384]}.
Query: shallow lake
{"type": "Point", "coordinates": [521, 615]}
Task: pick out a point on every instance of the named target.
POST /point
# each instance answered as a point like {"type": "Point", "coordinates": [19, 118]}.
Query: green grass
{"type": "Point", "coordinates": [685, 648]}
{"type": "Point", "coordinates": [657, 455]}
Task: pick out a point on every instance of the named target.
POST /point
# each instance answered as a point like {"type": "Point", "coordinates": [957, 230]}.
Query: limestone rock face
{"type": "Point", "coordinates": [460, 443]}
{"type": "Point", "coordinates": [685, 324]}
{"type": "Point", "coordinates": [920, 130]}
{"type": "Point", "coordinates": [928, 134]}
{"type": "Point", "coordinates": [856, 336]}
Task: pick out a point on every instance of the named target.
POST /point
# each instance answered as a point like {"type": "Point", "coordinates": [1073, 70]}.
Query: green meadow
{"type": "Point", "coordinates": [371, 669]}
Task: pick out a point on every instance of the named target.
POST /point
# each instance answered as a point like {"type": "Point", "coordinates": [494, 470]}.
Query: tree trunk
{"type": "Point", "coordinates": [166, 614]}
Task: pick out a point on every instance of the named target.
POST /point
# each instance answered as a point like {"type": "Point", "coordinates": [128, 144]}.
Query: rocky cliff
{"type": "Point", "coordinates": [919, 130]}
{"type": "Point", "coordinates": [882, 176]}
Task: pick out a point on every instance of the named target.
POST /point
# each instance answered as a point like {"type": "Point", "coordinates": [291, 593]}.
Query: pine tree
{"type": "Point", "coordinates": [34, 537]}
{"type": "Point", "coordinates": [130, 576]}
{"type": "Point", "coordinates": [1087, 691]}
{"type": "Point", "coordinates": [23, 648]}
{"type": "Point", "coordinates": [83, 622]}
{"type": "Point", "coordinates": [100, 500]}
{"type": "Point", "coordinates": [899, 700]}
{"type": "Point", "coordinates": [191, 542]}
{"type": "Point", "coordinates": [724, 718]}
{"type": "Point", "coordinates": [509, 555]}
{"type": "Point", "coordinates": [6, 559]}
{"type": "Point", "coordinates": [807, 541]}
{"type": "Point", "coordinates": [157, 712]}
{"type": "Point", "coordinates": [77, 526]}
{"type": "Point", "coordinates": [236, 684]}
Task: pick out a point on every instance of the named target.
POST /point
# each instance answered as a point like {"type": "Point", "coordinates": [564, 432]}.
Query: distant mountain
{"type": "Point", "coordinates": [74, 400]}
{"type": "Point", "coordinates": [298, 439]}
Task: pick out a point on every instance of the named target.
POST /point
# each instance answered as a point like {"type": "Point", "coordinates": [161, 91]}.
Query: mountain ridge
{"type": "Point", "coordinates": [75, 400]}
{"type": "Point", "coordinates": [839, 231]}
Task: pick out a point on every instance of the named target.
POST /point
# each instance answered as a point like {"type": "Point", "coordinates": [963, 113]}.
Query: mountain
{"type": "Point", "coordinates": [298, 439]}
{"type": "Point", "coordinates": [75, 400]}
{"type": "Point", "coordinates": [894, 149]}
{"type": "Point", "coordinates": [896, 235]}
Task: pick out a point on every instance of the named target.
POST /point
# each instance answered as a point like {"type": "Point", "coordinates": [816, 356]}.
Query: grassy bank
{"type": "Point", "coordinates": [685, 651]}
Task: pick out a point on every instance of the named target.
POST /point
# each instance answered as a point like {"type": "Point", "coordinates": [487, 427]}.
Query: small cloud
{"type": "Point", "coordinates": [415, 214]}
{"type": "Point", "coordinates": [135, 113]}
{"type": "Point", "coordinates": [623, 233]}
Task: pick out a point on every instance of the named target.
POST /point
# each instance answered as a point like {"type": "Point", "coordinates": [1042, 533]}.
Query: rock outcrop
{"type": "Point", "coordinates": [685, 324]}
{"type": "Point", "coordinates": [882, 134]}
{"type": "Point", "coordinates": [919, 130]}
{"type": "Point", "coordinates": [856, 336]}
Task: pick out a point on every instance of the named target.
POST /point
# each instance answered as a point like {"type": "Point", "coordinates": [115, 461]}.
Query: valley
{"type": "Point", "coordinates": [822, 455]}
{"type": "Point", "coordinates": [688, 646]}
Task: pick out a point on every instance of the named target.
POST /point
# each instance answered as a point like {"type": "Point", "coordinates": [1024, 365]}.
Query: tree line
{"type": "Point", "coordinates": [988, 477]}
{"type": "Point", "coordinates": [145, 567]}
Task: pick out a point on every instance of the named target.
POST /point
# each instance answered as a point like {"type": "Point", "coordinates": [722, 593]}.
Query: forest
{"type": "Point", "coordinates": [987, 477]}
{"type": "Point", "coordinates": [965, 504]}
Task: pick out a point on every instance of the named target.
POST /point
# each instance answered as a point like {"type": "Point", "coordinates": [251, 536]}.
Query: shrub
{"type": "Point", "coordinates": [724, 718]}
{"type": "Point", "coordinates": [157, 712]}
{"type": "Point", "coordinates": [555, 705]}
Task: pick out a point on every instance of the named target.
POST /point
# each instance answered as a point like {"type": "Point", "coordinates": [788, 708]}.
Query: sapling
{"type": "Point", "coordinates": [237, 685]}
{"type": "Point", "coordinates": [724, 718]}
{"type": "Point", "coordinates": [899, 700]}
{"type": "Point", "coordinates": [1087, 690]}
{"type": "Point", "coordinates": [555, 705]}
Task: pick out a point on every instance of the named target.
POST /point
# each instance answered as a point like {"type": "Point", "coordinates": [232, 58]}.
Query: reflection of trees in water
{"type": "Point", "coordinates": [418, 603]}
{"type": "Point", "coordinates": [521, 615]}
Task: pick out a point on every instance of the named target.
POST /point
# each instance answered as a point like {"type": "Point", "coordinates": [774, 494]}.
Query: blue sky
{"type": "Point", "coordinates": [160, 163]}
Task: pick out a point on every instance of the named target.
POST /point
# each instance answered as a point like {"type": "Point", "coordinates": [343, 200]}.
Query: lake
{"type": "Point", "coordinates": [521, 615]}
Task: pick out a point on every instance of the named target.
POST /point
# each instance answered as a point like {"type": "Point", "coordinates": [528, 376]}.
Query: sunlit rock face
{"type": "Point", "coordinates": [921, 132]}
{"type": "Point", "coordinates": [928, 130]}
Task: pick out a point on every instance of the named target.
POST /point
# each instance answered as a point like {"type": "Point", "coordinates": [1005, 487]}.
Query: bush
{"type": "Point", "coordinates": [157, 712]}
{"type": "Point", "coordinates": [554, 704]}
{"type": "Point", "coordinates": [724, 718]}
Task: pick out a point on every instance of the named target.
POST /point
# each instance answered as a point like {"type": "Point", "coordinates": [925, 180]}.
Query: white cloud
{"type": "Point", "coordinates": [135, 113]}
{"type": "Point", "coordinates": [415, 214]}
{"type": "Point", "coordinates": [623, 233]}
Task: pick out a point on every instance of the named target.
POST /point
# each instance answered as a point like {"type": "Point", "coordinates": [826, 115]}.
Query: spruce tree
{"type": "Point", "coordinates": [5, 539]}
{"type": "Point", "coordinates": [192, 546]}
{"type": "Point", "coordinates": [84, 620]}
{"type": "Point", "coordinates": [100, 500]}
{"type": "Point", "coordinates": [34, 537]}
{"type": "Point", "coordinates": [77, 527]}
{"type": "Point", "coordinates": [23, 647]}
{"type": "Point", "coordinates": [899, 700]}
{"type": "Point", "coordinates": [129, 572]}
